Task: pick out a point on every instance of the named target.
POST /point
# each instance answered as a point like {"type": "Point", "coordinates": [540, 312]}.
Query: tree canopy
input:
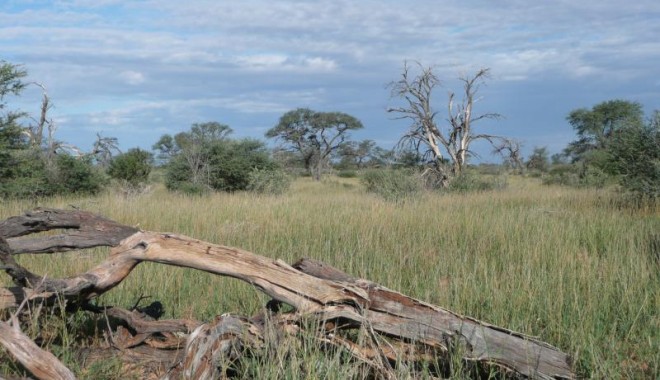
{"type": "Point", "coordinates": [314, 135]}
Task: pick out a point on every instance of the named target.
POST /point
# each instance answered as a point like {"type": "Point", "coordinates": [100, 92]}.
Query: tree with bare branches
{"type": "Point", "coordinates": [448, 145]}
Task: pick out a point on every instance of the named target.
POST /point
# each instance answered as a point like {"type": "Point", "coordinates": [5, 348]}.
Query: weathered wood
{"type": "Point", "coordinates": [337, 300]}
{"type": "Point", "coordinates": [395, 314]}
{"type": "Point", "coordinates": [85, 230]}
{"type": "Point", "coordinates": [40, 363]}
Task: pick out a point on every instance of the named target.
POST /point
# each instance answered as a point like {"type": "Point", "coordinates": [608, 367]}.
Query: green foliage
{"type": "Point", "coordinates": [132, 167]}
{"type": "Point", "coordinates": [539, 160]}
{"type": "Point", "coordinates": [577, 175]}
{"type": "Point", "coordinates": [232, 162]}
{"type": "Point", "coordinates": [23, 174]}
{"type": "Point", "coordinates": [315, 136]}
{"type": "Point", "coordinates": [596, 127]}
{"type": "Point", "coordinates": [10, 84]}
{"type": "Point", "coordinates": [75, 175]}
{"type": "Point", "coordinates": [393, 185]}
{"type": "Point", "coordinates": [226, 166]}
{"type": "Point", "coordinates": [268, 181]}
{"type": "Point", "coordinates": [635, 156]}
{"type": "Point", "coordinates": [28, 176]}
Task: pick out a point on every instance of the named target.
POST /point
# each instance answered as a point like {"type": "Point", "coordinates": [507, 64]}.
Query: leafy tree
{"type": "Point", "coordinates": [10, 84]}
{"type": "Point", "coordinates": [538, 160]}
{"type": "Point", "coordinates": [314, 135]}
{"type": "Point", "coordinates": [452, 142]}
{"type": "Point", "coordinates": [133, 167]}
{"type": "Point", "coordinates": [191, 149]}
{"type": "Point", "coordinates": [356, 154]}
{"type": "Point", "coordinates": [203, 159]}
{"type": "Point", "coordinates": [635, 153]}
{"type": "Point", "coordinates": [29, 166]}
{"type": "Point", "coordinates": [595, 128]}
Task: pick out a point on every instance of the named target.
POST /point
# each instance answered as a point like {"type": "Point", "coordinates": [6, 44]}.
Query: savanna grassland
{"type": "Point", "coordinates": [570, 266]}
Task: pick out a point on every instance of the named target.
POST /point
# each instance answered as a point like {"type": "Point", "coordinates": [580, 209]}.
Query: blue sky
{"type": "Point", "coordinates": [138, 69]}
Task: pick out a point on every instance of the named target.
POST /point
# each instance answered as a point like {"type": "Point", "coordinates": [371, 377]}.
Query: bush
{"type": "Point", "coordinates": [75, 175]}
{"type": "Point", "coordinates": [232, 162]}
{"type": "Point", "coordinates": [132, 167]}
{"type": "Point", "coordinates": [265, 181]}
{"type": "Point", "coordinates": [577, 175]}
{"type": "Point", "coordinates": [393, 185]}
{"type": "Point", "coordinates": [635, 157]}
{"type": "Point", "coordinates": [26, 175]}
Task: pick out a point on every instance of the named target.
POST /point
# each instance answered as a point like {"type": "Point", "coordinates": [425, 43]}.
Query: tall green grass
{"type": "Point", "coordinates": [567, 265]}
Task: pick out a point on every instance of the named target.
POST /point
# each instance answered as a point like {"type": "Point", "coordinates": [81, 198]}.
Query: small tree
{"type": "Point", "coordinates": [103, 150]}
{"type": "Point", "coordinates": [451, 142]}
{"type": "Point", "coordinates": [314, 135]}
{"type": "Point", "coordinates": [509, 149]}
{"type": "Point", "coordinates": [10, 84]}
{"type": "Point", "coordinates": [132, 167]}
{"type": "Point", "coordinates": [538, 160]}
{"type": "Point", "coordinates": [191, 149]}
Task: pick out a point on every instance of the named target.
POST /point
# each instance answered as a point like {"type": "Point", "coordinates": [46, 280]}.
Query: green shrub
{"type": "Point", "coordinates": [264, 181]}
{"type": "Point", "coordinates": [394, 185]}
{"type": "Point", "coordinates": [224, 165]}
{"type": "Point", "coordinates": [635, 154]}
{"type": "Point", "coordinates": [132, 167]}
{"type": "Point", "coordinates": [231, 163]}
{"type": "Point", "coordinates": [577, 175]}
{"type": "Point", "coordinates": [25, 174]}
{"type": "Point", "coordinates": [75, 175]}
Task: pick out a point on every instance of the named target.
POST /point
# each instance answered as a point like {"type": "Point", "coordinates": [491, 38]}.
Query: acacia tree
{"type": "Point", "coordinates": [450, 142]}
{"type": "Point", "coordinates": [357, 154]}
{"type": "Point", "coordinates": [314, 135]}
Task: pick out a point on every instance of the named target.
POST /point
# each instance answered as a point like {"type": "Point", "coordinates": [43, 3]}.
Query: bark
{"type": "Point", "coordinates": [397, 326]}
{"type": "Point", "coordinates": [40, 363]}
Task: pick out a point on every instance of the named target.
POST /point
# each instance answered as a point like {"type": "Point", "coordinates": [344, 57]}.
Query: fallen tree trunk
{"type": "Point", "coordinates": [399, 326]}
{"type": "Point", "coordinates": [40, 363]}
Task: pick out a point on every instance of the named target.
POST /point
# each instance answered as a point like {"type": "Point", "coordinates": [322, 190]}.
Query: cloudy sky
{"type": "Point", "coordinates": [138, 69]}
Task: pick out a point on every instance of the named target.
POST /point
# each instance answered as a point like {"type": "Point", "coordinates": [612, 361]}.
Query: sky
{"type": "Point", "coordinates": [139, 69]}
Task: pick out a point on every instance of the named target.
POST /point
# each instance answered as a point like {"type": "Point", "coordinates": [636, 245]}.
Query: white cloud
{"type": "Point", "coordinates": [282, 62]}
{"type": "Point", "coordinates": [132, 77]}
{"type": "Point", "coordinates": [209, 58]}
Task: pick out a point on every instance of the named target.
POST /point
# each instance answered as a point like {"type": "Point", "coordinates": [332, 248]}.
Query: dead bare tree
{"type": "Point", "coordinates": [375, 326]}
{"type": "Point", "coordinates": [509, 149]}
{"type": "Point", "coordinates": [445, 143]}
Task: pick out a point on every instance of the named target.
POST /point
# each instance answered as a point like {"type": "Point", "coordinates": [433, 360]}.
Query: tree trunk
{"type": "Point", "coordinates": [400, 327]}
